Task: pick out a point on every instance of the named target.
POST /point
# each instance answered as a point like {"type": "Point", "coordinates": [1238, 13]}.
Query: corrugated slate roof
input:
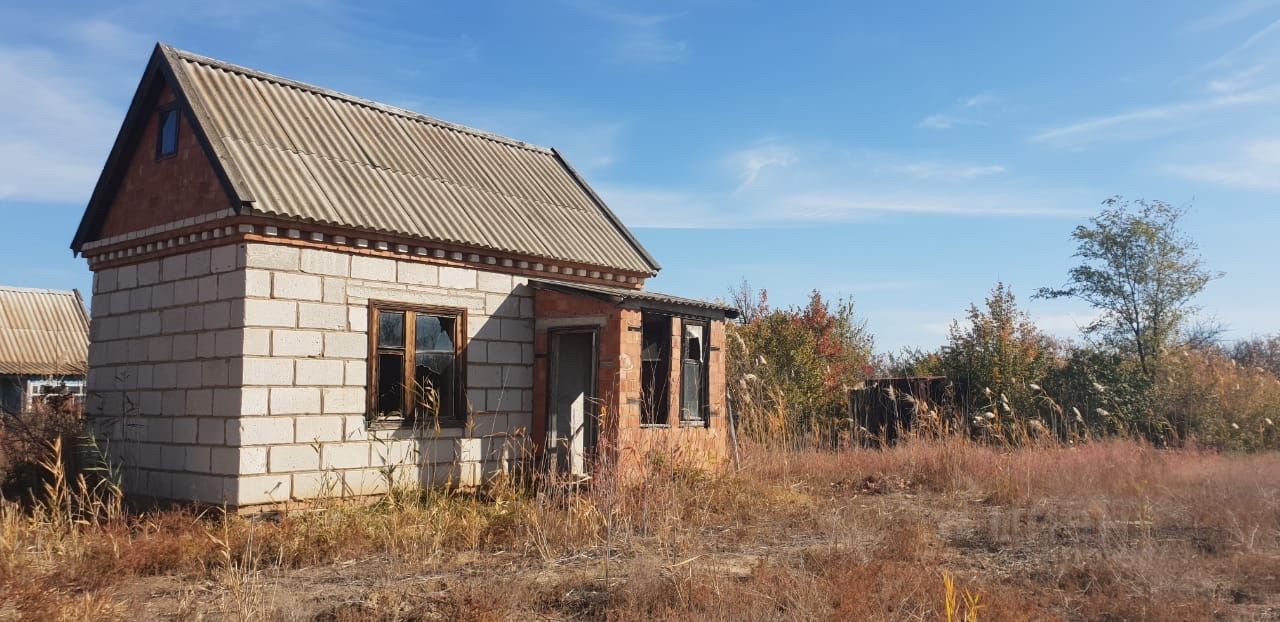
{"type": "Point", "coordinates": [301, 152]}
{"type": "Point", "coordinates": [42, 332]}
{"type": "Point", "coordinates": [637, 295]}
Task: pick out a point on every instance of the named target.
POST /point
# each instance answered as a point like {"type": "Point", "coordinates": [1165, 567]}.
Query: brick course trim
{"type": "Point", "coordinates": [222, 227]}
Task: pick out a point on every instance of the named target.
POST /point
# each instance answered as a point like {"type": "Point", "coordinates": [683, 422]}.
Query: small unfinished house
{"type": "Point", "coordinates": [299, 293]}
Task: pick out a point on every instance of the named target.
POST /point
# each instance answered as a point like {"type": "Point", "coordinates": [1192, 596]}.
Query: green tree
{"type": "Point", "coordinates": [1103, 390]}
{"type": "Point", "coordinates": [1259, 352]}
{"type": "Point", "coordinates": [997, 354]}
{"type": "Point", "coordinates": [801, 360]}
{"type": "Point", "coordinates": [1142, 272]}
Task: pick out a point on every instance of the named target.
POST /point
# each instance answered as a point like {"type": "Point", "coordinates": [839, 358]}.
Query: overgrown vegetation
{"type": "Point", "coordinates": [794, 367]}
{"type": "Point", "coordinates": [1148, 367]}
{"type": "Point", "coordinates": [930, 528]}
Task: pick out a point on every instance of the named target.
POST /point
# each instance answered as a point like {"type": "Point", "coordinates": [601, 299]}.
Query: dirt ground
{"type": "Point", "coordinates": [1113, 531]}
{"type": "Point", "coordinates": [1009, 555]}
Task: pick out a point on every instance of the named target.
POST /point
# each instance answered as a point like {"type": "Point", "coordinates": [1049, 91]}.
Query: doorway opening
{"type": "Point", "coordinates": [573, 426]}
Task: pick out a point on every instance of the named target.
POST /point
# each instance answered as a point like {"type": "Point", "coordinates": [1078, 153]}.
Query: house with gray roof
{"type": "Point", "coordinates": [299, 293]}
{"type": "Point", "coordinates": [44, 339]}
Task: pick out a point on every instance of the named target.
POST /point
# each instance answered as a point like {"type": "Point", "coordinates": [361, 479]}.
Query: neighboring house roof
{"type": "Point", "coordinates": [639, 297]}
{"type": "Point", "coordinates": [42, 332]}
{"type": "Point", "coordinates": [291, 150]}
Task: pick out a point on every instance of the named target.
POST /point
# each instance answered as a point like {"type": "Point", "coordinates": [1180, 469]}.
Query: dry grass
{"type": "Point", "coordinates": [942, 529]}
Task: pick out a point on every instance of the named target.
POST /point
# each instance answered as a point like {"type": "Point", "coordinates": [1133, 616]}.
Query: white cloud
{"type": "Point", "coordinates": [664, 209]}
{"type": "Point", "coordinates": [640, 38]}
{"type": "Point", "coordinates": [1232, 14]}
{"type": "Point", "coordinates": [946, 122]}
{"type": "Point", "coordinates": [853, 205]}
{"type": "Point", "coordinates": [969, 106]}
{"type": "Point", "coordinates": [58, 126]}
{"type": "Point", "coordinates": [105, 37]}
{"type": "Point", "coordinates": [980, 100]}
{"type": "Point", "coordinates": [650, 45]}
{"type": "Point", "coordinates": [1257, 167]}
{"type": "Point", "coordinates": [1254, 39]}
{"type": "Point", "coordinates": [778, 185]}
{"type": "Point", "coordinates": [1237, 81]}
{"type": "Point", "coordinates": [946, 172]}
{"type": "Point", "coordinates": [1154, 120]}
{"type": "Point", "coordinates": [753, 161]}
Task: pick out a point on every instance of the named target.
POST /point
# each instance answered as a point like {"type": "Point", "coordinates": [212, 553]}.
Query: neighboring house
{"type": "Point", "coordinates": [280, 269]}
{"type": "Point", "coordinates": [44, 338]}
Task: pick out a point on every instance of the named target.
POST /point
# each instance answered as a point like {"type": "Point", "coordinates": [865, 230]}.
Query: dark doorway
{"type": "Point", "coordinates": [573, 426]}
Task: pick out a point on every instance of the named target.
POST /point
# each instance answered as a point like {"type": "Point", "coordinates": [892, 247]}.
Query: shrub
{"type": "Point", "coordinates": [27, 439]}
{"type": "Point", "coordinates": [790, 370]}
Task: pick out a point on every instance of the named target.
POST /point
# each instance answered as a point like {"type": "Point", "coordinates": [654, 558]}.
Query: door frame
{"type": "Point", "coordinates": [591, 406]}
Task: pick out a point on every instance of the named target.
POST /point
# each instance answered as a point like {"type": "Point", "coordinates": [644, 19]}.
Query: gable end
{"type": "Point", "coordinates": [128, 195]}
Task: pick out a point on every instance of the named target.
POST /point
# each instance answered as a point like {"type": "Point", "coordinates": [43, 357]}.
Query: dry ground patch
{"type": "Point", "coordinates": [1112, 530]}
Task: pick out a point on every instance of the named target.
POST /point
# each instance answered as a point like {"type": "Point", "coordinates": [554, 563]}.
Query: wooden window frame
{"type": "Point", "coordinates": [461, 406]}
{"type": "Point", "coordinates": [704, 406]}
{"type": "Point", "coordinates": [177, 131]}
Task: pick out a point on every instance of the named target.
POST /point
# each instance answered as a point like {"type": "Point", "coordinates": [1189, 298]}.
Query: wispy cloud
{"type": "Point", "coordinates": [1254, 40]}
{"type": "Point", "coordinates": [980, 100]}
{"type": "Point", "coordinates": [776, 184]}
{"type": "Point", "coordinates": [940, 171]}
{"type": "Point", "coordinates": [1153, 120]}
{"type": "Point", "coordinates": [1237, 80]}
{"type": "Point", "coordinates": [753, 161]}
{"type": "Point", "coordinates": [968, 107]}
{"type": "Point", "coordinates": [666, 209]}
{"type": "Point", "coordinates": [1229, 14]}
{"type": "Point", "coordinates": [59, 118]}
{"type": "Point", "coordinates": [1256, 167]}
{"type": "Point", "coordinates": [946, 122]}
{"type": "Point", "coordinates": [853, 206]}
{"type": "Point", "coordinates": [641, 38]}
{"type": "Point", "coordinates": [106, 37]}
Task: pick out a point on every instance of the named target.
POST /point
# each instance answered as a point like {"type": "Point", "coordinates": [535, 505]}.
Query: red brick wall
{"type": "Point", "coordinates": [548, 305]}
{"type": "Point", "coordinates": [619, 384]}
{"type": "Point", "coordinates": [155, 192]}
{"type": "Point", "coordinates": [690, 443]}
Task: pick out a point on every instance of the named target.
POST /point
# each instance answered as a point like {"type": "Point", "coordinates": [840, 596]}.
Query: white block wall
{"type": "Point", "coordinates": [238, 374]}
{"type": "Point", "coordinates": [164, 372]}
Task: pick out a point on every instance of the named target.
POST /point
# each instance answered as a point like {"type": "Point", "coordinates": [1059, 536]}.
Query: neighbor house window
{"type": "Point", "coordinates": [47, 391]}
{"type": "Point", "coordinates": [693, 371]}
{"type": "Point", "coordinates": [655, 368]}
{"type": "Point", "coordinates": [167, 138]}
{"type": "Point", "coordinates": [417, 372]}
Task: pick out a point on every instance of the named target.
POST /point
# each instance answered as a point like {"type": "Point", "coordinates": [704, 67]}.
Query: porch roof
{"type": "Point", "coordinates": [640, 299]}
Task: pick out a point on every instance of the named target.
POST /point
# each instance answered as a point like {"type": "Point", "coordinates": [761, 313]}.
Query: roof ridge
{"type": "Point", "coordinates": [360, 101]}
{"type": "Point", "coordinates": [37, 290]}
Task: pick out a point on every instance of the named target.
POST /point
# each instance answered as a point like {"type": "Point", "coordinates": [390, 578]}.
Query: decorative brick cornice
{"type": "Point", "coordinates": [225, 227]}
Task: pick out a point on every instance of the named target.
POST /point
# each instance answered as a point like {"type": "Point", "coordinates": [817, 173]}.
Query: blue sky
{"type": "Point", "coordinates": [908, 156]}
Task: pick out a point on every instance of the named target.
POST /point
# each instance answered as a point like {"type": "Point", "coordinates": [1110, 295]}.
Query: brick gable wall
{"type": "Point", "coordinates": [154, 192]}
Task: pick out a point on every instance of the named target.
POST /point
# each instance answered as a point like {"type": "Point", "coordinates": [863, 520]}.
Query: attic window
{"type": "Point", "coordinates": [167, 137]}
